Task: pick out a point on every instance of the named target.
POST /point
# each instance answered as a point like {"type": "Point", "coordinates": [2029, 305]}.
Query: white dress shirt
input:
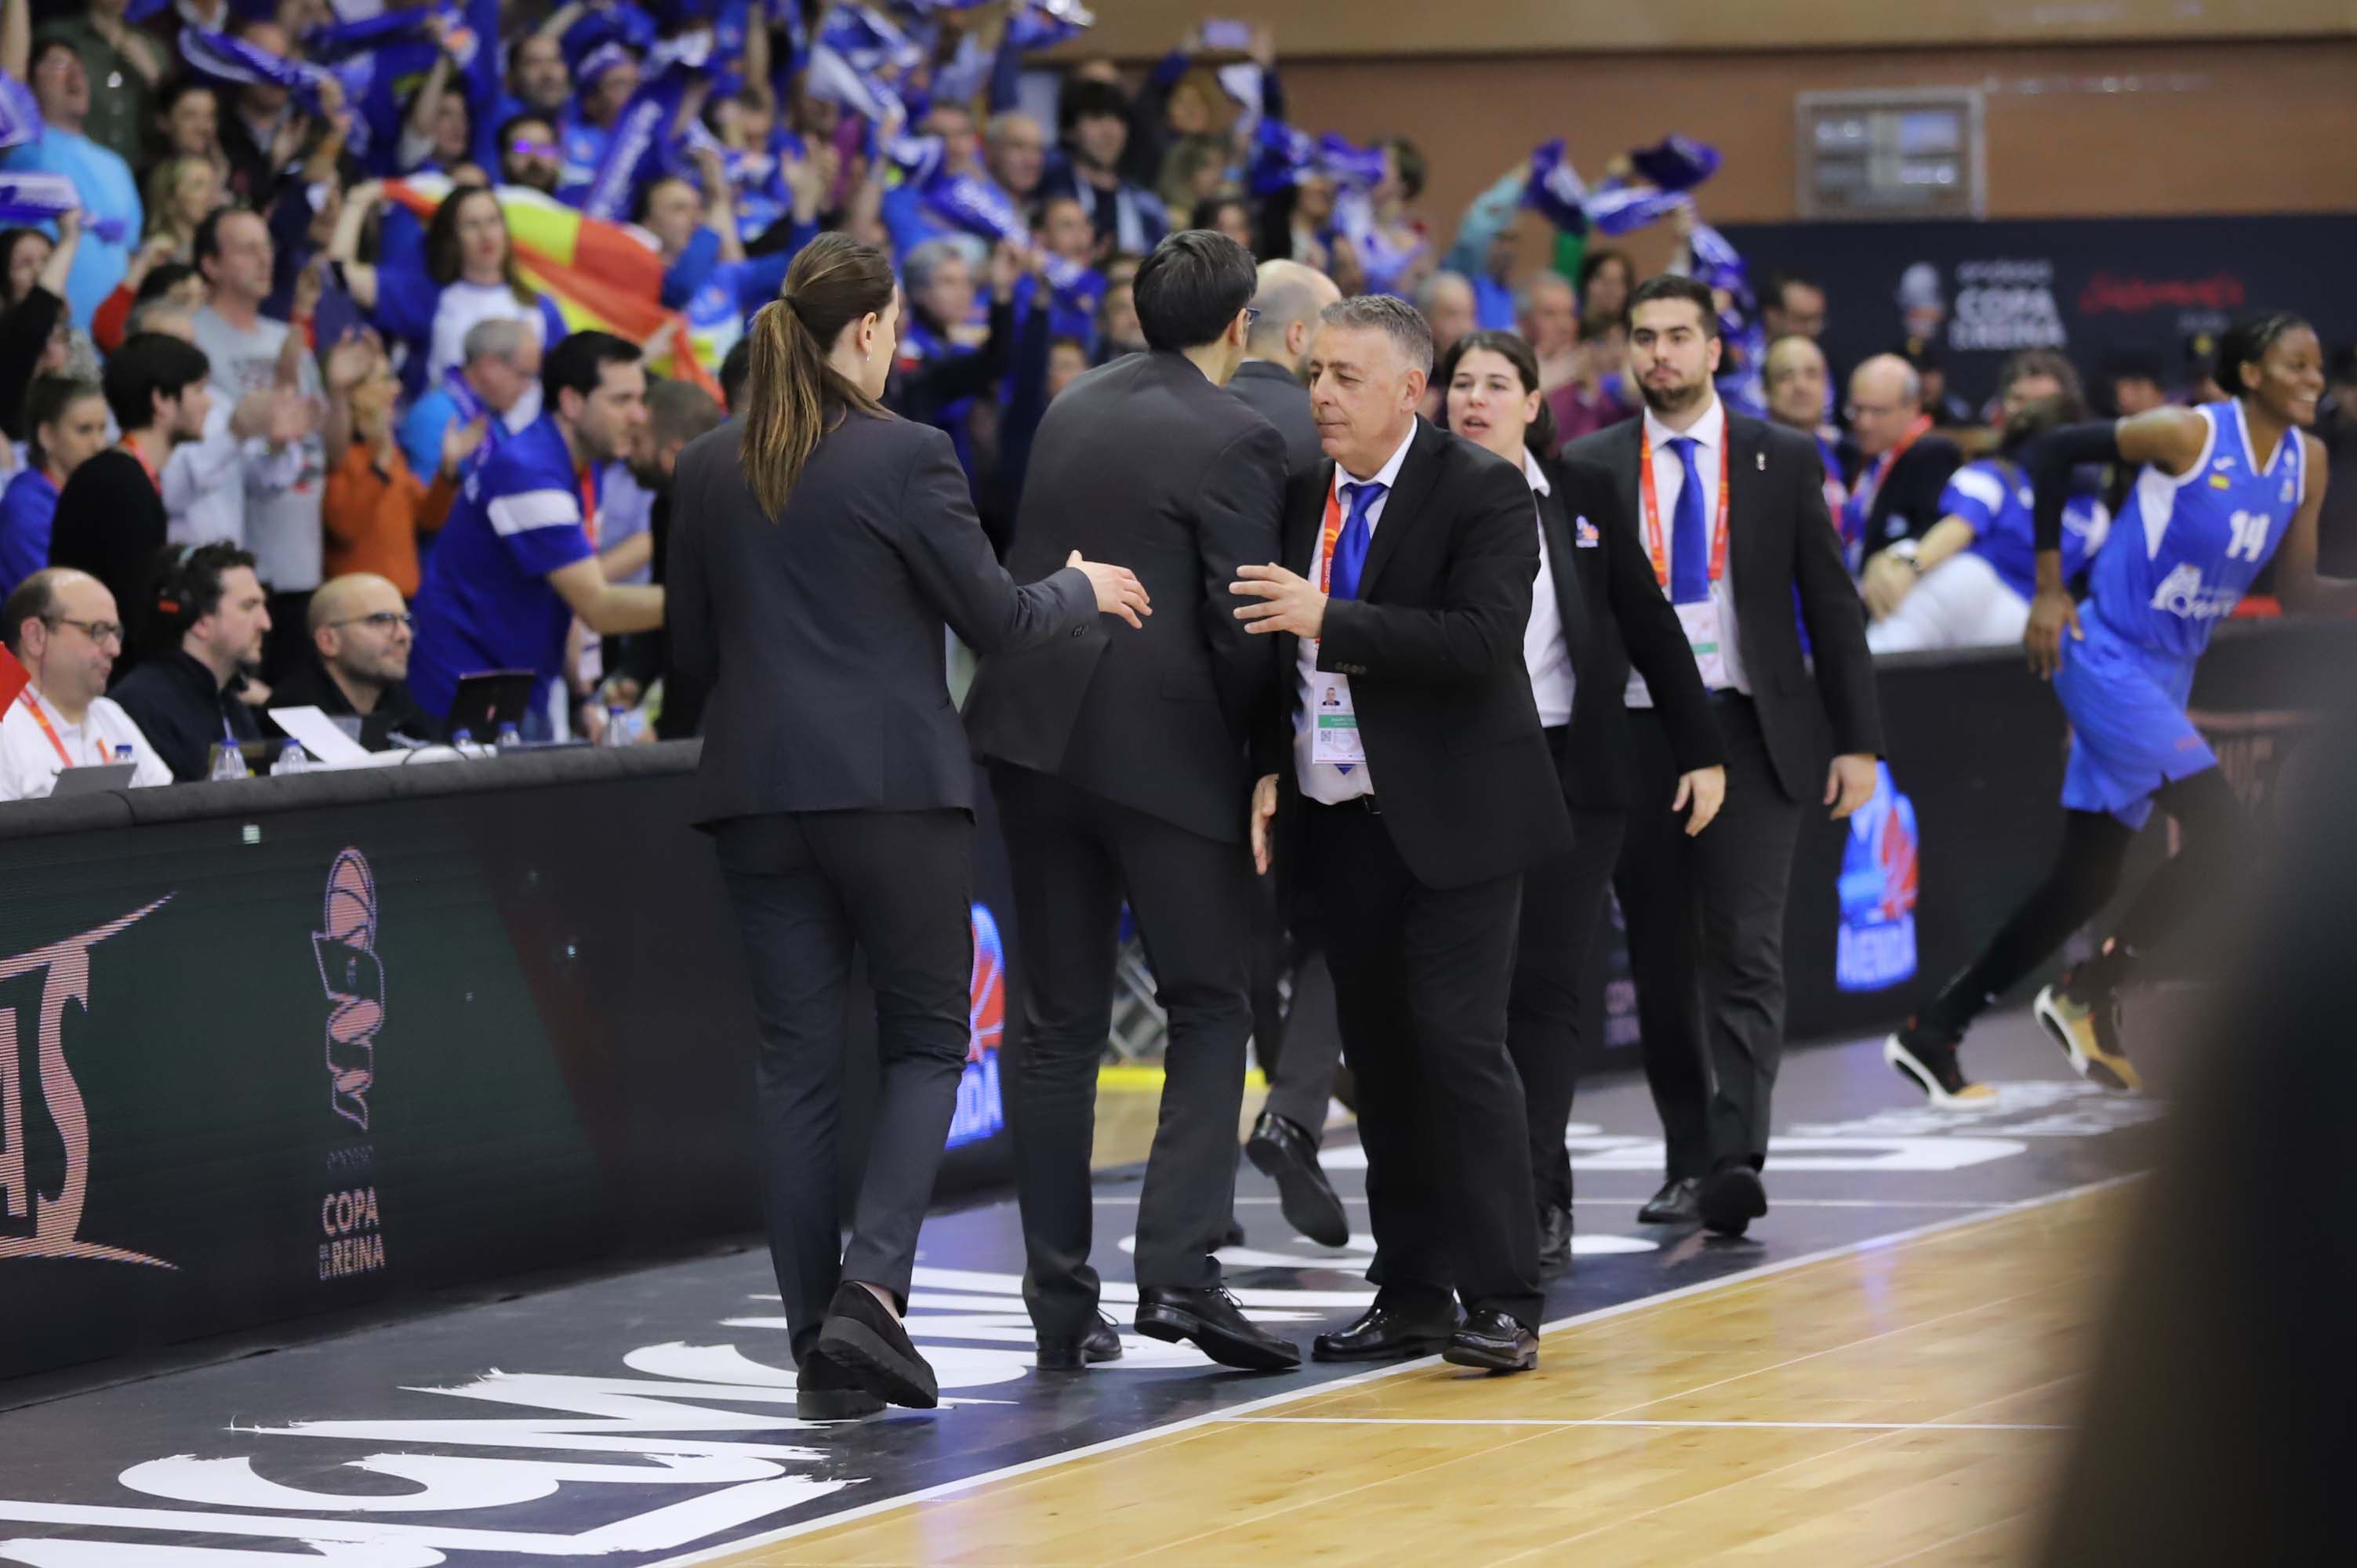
{"type": "Point", "coordinates": [1324, 781]}
{"type": "Point", "coordinates": [29, 765]}
{"type": "Point", "coordinates": [1709, 437]}
{"type": "Point", "coordinates": [1545, 651]}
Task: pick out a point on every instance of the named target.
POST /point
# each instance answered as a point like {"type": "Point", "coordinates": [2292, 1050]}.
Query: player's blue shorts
{"type": "Point", "coordinates": [2129, 734]}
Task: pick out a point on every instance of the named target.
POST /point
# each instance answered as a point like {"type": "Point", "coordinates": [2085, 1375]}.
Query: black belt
{"type": "Point", "coordinates": [1361, 803]}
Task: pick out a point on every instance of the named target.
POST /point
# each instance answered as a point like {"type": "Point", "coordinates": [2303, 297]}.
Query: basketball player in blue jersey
{"type": "Point", "coordinates": [2221, 488]}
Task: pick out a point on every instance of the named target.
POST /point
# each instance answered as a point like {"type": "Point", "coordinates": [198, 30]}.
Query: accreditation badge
{"type": "Point", "coordinates": [1334, 723]}
{"type": "Point", "coordinates": [1700, 619]}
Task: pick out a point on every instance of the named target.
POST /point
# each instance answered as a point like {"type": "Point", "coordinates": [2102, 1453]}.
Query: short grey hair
{"type": "Point", "coordinates": [1527, 295]}
{"type": "Point", "coordinates": [1391, 316]}
{"type": "Point", "coordinates": [1429, 289]}
{"type": "Point", "coordinates": [502, 339]}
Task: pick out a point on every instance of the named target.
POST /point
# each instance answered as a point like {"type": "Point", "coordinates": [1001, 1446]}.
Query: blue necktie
{"type": "Point", "coordinates": [1689, 549]}
{"type": "Point", "coordinates": [1351, 548]}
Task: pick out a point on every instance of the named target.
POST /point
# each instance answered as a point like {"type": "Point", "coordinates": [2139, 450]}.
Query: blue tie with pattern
{"type": "Point", "coordinates": [1689, 549]}
{"type": "Point", "coordinates": [1351, 548]}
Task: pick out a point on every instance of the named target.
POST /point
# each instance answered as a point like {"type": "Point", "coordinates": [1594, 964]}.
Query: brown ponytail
{"type": "Point", "coordinates": [789, 387]}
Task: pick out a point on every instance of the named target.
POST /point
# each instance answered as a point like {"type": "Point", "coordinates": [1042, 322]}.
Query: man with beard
{"type": "Point", "coordinates": [677, 414]}
{"type": "Point", "coordinates": [528, 153]}
{"type": "Point", "coordinates": [358, 626]}
{"type": "Point", "coordinates": [190, 699]}
{"type": "Point", "coordinates": [1705, 915]}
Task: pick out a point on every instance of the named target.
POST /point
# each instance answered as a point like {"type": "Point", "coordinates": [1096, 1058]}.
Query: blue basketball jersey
{"type": "Point", "coordinates": [2185, 549]}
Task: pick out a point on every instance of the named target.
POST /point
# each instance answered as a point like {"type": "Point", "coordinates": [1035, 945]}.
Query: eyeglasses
{"type": "Point", "coordinates": [1854, 410]}
{"type": "Point", "coordinates": [99, 632]}
{"type": "Point", "coordinates": [383, 620]}
{"type": "Point", "coordinates": [1252, 316]}
{"type": "Point", "coordinates": [522, 149]}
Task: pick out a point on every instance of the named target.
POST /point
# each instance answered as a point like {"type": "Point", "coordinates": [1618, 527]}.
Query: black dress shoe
{"type": "Point", "coordinates": [1288, 1156]}
{"type": "Point", "coordinates": [1078, 1352]}
{"type": "Point", "coordinates": [1384, 1334]}
{"type": "Point", "coordinates": [824, 1392]}
{"type": "Point", "coordinates": [1555, 1239]}
{"type": "Point", "coordinates": [1492, 1341]}
{"type": "Point", "coordinates": [1673, 1205]}
{"type": "Point", "coordinates": [868, 1343]}
{"type": "Point", "coordinates": [1217, 1326]}
{"type": "Point", "coordinates": [1732, 1196]}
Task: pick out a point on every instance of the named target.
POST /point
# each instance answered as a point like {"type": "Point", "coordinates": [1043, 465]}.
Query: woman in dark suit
{"type": "Point", "coordinates": [818, 545]}
{"type": "Point", "coordinates": [1594, 609]}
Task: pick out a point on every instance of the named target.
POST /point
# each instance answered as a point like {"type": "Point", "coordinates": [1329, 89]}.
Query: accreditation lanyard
{"type": "Point", "coordinates": [145, 466]}
{"type": "Point", "coordinates": [1871, 484]}
{"type": "Point", "coordinates": [1653, 513]}
{"type": "Point", "coordinates": [1327, 536]}
{"type": "Point", "coordinates": [588, 478]}
{"type": "Point", "coordinates": [33, 707]}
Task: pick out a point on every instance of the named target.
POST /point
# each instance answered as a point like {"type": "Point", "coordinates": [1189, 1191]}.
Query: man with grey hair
{"type": "Point", "coordinates": [1448, 306]}
{"type": "Point", "coordinates": [1903, 467]}
{"type": "Point", "coordinates": [1408, 804]}
{"type": "Point", "coordinates": [1548, 309]}
{"type": "Point", "coordinates": [497, 378]}
{"type": "Point", "coordinates": [1016, 149]}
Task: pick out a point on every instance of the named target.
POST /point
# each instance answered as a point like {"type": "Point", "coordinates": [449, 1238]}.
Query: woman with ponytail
{"type": "Point", "coordinates": [819, 547]}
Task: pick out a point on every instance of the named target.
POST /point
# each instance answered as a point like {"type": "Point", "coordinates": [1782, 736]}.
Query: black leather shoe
{"type": "Point", "coordinates": [1555, 1239]}
{"type": "Point", "coordinates": [824, 1392]}
{"type": "Point", "coordinates": [1288, 1156]}
{"type": "Point", "coordinates": [1217, 1326]}
{"type": "Point", "coordinates": [1731, 1197]}
{"type": "Point", "coordinates": [1673, 1205]}
{"type": "Point", "coordinates": [869, 1345]}
{"type": "Point", "coordinates": [1386, 1333]}
{"type": "Point", "coordinates": [1078, 1352]}
{"type": "Point", "coordinates": [1492, 1341]}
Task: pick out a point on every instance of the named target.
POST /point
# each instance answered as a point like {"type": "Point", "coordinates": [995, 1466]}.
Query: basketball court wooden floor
{"type": "Point", "coordinates": [1885, 1374]}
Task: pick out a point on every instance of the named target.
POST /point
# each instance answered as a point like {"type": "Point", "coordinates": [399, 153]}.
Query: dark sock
{"type": "Point", "coordinates": [2085, 874]}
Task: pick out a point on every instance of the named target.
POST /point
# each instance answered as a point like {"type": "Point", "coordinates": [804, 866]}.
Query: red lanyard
{"type": "Point", "coordinates": [146, 466]}
{"type": "Point", "coordinates": [1653, 512]}
{"type": "Point", "coordinates": [1871, 485]}
{"type": "Point", "coordinates": [42, 719]}
{"type": "Point", "coordinates": [1326, 538]}
{"type": "Point", "coordinates": [589, 505]}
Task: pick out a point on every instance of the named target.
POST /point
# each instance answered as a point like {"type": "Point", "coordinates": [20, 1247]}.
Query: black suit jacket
{"type": "Point", "coordinates": [184, 712]}
{"type": "Point", "coordinates": [1613, 611]}
{"type": "Point", "coordinates": [1278, 396]}
{"type": "Point", "coordinates": [819, 634]}
{"type": "Point", "coordinates": [1907, 504]}
{"type": "Point", "coordinates": [1433, 646]}
{"type": "Point", "coordinates": [1146, 463]}
{"type": "Point", "coordinates": [1779, 537]}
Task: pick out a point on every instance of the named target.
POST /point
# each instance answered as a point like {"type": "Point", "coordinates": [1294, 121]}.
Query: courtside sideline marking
{"type": "Point", "coordinates": [1599, 1421]}
{"type": "Point", "coordinates": [1637, 1200]}
{"type": "Point", "coordinates": [1214, 1418]}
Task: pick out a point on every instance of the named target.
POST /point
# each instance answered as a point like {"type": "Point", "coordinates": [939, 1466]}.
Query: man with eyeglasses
{"type": "Point", "coordinates": [63, 627]}
{"type": "Point", "coordinates": [360, 634]}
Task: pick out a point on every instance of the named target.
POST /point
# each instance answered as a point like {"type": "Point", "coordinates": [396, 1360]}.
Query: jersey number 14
{"type": "Point", "coordinates": [2250, 541]}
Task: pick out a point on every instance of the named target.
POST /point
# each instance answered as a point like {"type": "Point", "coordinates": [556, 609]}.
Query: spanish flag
{"type": "Point", "coordinates": [605, 277]}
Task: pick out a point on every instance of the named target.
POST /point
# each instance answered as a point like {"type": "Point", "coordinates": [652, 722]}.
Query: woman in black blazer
{"type": "Point", "coordinates": [1595, 608]}
{"type": "Point", "coordinates": [819, 545]}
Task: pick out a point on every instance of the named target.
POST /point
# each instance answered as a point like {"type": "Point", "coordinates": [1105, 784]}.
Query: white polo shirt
{"type": "Point", "coordinates": [29, 764]}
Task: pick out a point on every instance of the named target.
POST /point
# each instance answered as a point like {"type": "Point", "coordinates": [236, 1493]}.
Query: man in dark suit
{"type": "Point", "coordinates": [1903, 470]}
{"type": "Point", "coordinates": [1705, 915]}
{"type": "Point", "coordinates": [1121, 768]}
{"type": "Point", "coordinates": [1409, 815]}
{"type": "Point", "coordinates": [1299, 1064]}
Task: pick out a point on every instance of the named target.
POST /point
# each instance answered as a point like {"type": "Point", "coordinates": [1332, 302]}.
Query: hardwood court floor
{"type": "Point", "coordinates": [1905, 1402]}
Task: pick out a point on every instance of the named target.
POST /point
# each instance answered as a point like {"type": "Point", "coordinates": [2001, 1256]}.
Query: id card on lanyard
{"type": "Point", "coordinates": [1700, 619]}
{"type": "Point", "coordinates": [1333, 721]}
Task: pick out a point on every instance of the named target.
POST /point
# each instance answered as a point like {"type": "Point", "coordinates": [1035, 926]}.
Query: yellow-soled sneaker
{"type": "Point", "coordinates": [2089, 1037]}
{"type": "Point", "coordinates": [1927, 1058]}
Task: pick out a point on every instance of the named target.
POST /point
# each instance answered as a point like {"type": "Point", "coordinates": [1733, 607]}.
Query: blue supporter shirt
{"type": "Point", "coordinates": [486, 602]}
{"type": "Point", "coordinates": [28, 509]}
{"type": "Point", "coordinates": [1995, 497]}
{"type": "Point", "coordinates": [108, 190]}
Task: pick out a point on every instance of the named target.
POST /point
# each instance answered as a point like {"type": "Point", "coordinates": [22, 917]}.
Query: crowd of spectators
{"type": "Point", "coordinates": [340, 335]}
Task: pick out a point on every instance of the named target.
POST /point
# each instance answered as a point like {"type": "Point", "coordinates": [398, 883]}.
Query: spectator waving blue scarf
{"type": "Point", "coordinates": [1555, 190]}
{"type": "Point", "coordinates": [20, 115]}
{"type": "Point", "coordinates": [1282, 156]}
{"type": "Point", "coordinates": [41, 198]}
{"type": "Point", "coordinates": [1044, 23]}
{"type": "Point", "coordinates": [971, 205]}
{"type": "Point", "coordinates": [637, 142]}
{"type": "Point", "coordinates": [1676, 163]}
{"type": "Point", "coordinates": [858, 48]}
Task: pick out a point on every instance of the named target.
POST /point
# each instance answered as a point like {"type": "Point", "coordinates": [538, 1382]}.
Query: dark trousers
{"type": "Point", "coordinates": [1421, 976]}
{"type": "Point", "coordinates": [1073, 856]}
{"type": "Point", "coordinates": [807, 886]}
{"type": "Point", "coordinates": [1563, 905]}
{"type": "Point", "coordinates": [1705, 918]}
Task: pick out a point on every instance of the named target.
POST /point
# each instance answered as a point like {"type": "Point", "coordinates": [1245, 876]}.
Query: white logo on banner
{"type": "Point", "coordinates": [2004, 306]}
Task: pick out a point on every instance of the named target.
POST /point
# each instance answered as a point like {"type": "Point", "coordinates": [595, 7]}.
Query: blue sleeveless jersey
{"type": "Point", "coordinates": [2185, 549]}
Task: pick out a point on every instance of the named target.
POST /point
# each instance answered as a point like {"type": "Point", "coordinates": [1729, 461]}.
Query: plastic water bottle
{"type": "Point", "coordinates": [511, 737]}
{"type": "Point", "coordinates": [462, 739]}
{"type": "Point", "coordinates": [617, 725]}
{"type": "Point", "coordinates": [291, 759]}
{"type": "Point", "coordinates": [228, 762]}
{"type": "Point", "coordinates": [123, 754]}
